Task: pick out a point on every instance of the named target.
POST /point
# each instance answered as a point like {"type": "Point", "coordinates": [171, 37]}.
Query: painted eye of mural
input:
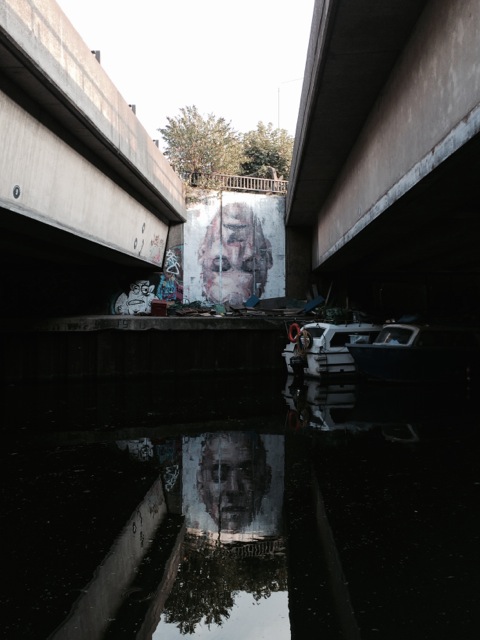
{"type": "Point", "coordinates": [237, 232]}
{"type": "Point", "coordinates": [246, 469]}
{"type": "Point", "coordinates": [221, 264]}
{"type": "Point", "coordinates": [248, 265]}
{"type": "Point", "coordinates": [220, 472]}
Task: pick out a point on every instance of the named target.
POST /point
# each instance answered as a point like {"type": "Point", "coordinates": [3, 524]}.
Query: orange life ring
{"type": "Point", "coordinates": [294, 332]}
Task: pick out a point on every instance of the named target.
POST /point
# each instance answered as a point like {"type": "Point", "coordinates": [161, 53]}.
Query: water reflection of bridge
{"type": "Point", "coordinates": [256, 549]}
{"type": "Point", "coordinates": [260, 548]}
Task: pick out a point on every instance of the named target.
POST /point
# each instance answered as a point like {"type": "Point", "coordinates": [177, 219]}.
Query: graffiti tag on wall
{"type": "Point", "coordinates": [171, 280]}
{"type": "Point", "coordinates": [168, 285]}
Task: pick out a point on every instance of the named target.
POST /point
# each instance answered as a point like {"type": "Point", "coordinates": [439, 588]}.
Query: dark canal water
{"type": "Point", "coordinates": [240, 507]}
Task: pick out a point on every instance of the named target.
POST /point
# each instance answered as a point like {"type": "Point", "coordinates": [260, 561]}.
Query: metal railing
{"type": "Point", "coordinates": [237, 183]}
{"type": "Point", "coordinates": [260, 548]}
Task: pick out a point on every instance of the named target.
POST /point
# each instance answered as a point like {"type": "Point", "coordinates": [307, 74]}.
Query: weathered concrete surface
{"type": "Point", "coordinates": [74, 155]}
{"type": "Point", "coordinates": [139, 620]}
{"type": "Point", "coordinates": [60, 188]}
{"type": "Point", "coordinates": [126, 346]}
{"type": "Point", "coordinates": [104, 594]}
{"type": "Point", "coordinates": [423, 111]}
{"type": "Point", "coordinates": [428, 111]}
{"type": "Point", "coordinates": [143, 323]}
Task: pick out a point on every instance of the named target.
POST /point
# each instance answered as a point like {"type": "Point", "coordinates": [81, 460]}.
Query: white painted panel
{"type": "Point", "coordinates": [234, 248]}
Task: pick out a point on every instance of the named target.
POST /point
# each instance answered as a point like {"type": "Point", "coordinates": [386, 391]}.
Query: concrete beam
{"type": "Point", "coordinates": [78, 159]}
{"type": "Point", "coordinates": [44, 180]}
{"type": "Point", "coordinates": [353, 47]}
{"type": "Point", "coordinates": [428, 111]}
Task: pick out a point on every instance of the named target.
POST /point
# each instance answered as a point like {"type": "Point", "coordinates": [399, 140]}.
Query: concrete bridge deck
{"type": "Point", "coordinates": [386, 158]}
{"type": "Point", "coordinates": [77, 169]}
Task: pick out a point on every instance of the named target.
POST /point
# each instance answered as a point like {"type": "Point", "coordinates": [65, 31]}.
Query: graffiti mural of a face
{"type": "Point", "coordinates": [235, 256]}
{"type": "Point", "coordinates": [233, 477]}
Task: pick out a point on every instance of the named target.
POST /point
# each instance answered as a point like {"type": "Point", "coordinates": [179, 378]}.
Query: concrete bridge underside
{"type": "Point", "coordinates": [383, 191]}
{"type": "Point", "coordinates": [81, 182]}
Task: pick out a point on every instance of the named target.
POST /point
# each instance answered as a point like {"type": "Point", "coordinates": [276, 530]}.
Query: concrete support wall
{"type": "Point", "coordinates": [101, 597]}
{"type": "Point", "coordinates": [429, 108]}
{"type": "Point", "coordinates": [298, 262]}
{"type": "Point", "coordinates": [119, 347]}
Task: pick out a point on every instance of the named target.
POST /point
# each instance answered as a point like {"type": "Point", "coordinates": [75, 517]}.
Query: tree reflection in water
{"type": "Point", "coordinates": [233, 484]}
{"type": "Point", "coordinates": [229, 485]}
{"type": "Point", "coordinates": [211, 575]}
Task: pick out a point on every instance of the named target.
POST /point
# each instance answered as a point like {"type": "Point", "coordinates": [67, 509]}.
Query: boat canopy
{"type": "Point", "coordinates": [395, 335]}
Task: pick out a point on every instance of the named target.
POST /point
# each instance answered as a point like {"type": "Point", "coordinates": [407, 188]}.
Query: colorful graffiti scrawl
{"type": "Point", "coordinates": [171, 280]}
{"type": "Point", "coordinates": [235, 248]}
{"type": "Point", "coordinates": [167, 285]}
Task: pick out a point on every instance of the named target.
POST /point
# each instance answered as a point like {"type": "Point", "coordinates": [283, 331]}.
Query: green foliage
{"type": "Point", "coordinates": [208, 580]}
{"type": "Point", "coordinates": [201, 145]}
{"type": "Point", "coordinates": [267, 150]}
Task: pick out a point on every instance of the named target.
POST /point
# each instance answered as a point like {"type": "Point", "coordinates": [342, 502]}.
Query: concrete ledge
{"type": "Point", "coordinates": [144, 323]}
{"type": "Point", "coordinates": [126, 346]}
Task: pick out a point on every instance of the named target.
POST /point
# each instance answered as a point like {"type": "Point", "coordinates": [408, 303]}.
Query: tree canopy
{"type": "Point", "coordinates": [267, 149]}
{"type": "Point", "coordinates": [205, 145]}
{"type": "Point", "coordinates": [202, 145]}
{"type": "Point", "coordinates": [214, 577]}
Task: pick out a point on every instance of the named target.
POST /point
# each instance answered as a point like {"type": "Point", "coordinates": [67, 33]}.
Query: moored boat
{"type": "Point", "coordinates": [319, 349]}
{"type": "Point", "coordinates": [404, 352]}
{"type": "Point", "coordinates": [314, 405]}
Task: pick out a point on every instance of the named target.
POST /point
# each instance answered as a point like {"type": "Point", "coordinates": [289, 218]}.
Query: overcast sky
{"type": "Point", "coordinates": [243, 61]}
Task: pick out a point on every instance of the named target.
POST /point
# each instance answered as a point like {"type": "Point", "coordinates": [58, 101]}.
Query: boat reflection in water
{"type": "Point", "coordinates": [399, 412]}
{"type": "Point", "coordinates": [324, 407]}
{"type": "Point", "coordinates": [396, 479]}
{"type": "Point", "coordinates": [138, 526]}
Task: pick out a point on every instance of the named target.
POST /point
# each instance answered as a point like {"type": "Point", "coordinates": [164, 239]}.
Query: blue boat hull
{"type": "Point", "coordinates": [396, 363]}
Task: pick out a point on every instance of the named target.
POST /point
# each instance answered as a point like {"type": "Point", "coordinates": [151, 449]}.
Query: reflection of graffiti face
{"type": "Point", "coordinates": [233, 478]}
{"type": "Point", "coordinates": [235, 256]}
{"type": "Point", "coordinates": [138, 300]}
